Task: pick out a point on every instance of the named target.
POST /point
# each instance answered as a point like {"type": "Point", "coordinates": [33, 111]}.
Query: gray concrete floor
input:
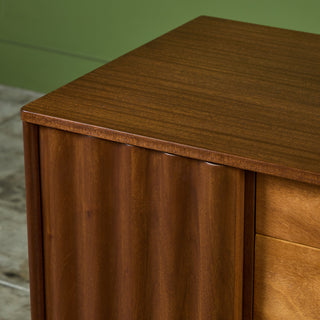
{"type": "Point", "coordinates": [14, 273]}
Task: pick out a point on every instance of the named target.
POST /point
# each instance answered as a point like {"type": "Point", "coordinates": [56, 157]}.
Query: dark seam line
{"type": "Point", "coordinates": [51, 50]}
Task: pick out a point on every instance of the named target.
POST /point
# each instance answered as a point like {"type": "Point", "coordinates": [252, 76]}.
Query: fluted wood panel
{"type": "Point", "coordinates": [131, 233]}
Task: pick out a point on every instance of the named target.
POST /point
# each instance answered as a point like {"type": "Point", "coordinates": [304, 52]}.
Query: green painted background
{"type": "Point", "coordinates": [47, 43]}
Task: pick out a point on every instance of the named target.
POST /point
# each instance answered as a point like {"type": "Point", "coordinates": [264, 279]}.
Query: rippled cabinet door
{"type": "Point", "coordinates": [131, 233]}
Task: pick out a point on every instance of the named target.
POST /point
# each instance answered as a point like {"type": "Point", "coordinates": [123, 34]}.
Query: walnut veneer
{"type": "Point", "coordinates": [180, 181]}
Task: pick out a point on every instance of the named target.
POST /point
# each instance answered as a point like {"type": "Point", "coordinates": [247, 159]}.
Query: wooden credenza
{"type": "Point", "coordinates": [180, 181]}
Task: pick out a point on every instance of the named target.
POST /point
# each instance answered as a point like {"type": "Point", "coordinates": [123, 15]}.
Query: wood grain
{"type": "Point", "coordinates": [217, 90]}
{"type": "Point", "coordinates": [34, 220]}
{"type": "Point", "coordinates": [288, 210]}
{"type": "Point", "coordinates": [131, 233]}
{"type": "Point", "coordinates": [287, 280]}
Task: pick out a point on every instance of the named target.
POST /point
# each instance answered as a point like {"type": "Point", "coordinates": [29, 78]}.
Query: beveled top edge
{"type": "Point", "coordinates": [173, 148]}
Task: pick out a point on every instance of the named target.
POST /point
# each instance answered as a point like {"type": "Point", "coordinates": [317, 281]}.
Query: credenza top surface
{"type": "Point", "coordinates": [218, 90]}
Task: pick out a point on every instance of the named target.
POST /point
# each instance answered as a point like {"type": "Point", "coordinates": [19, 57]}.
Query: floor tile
{"type": "Point", "coordinates": [15, 304]}
{"type": "Point", "coordinates": [12, 99]}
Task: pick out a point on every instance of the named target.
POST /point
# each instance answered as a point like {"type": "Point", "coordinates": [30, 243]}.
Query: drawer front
{"type": "Point", "coordinates": [288, 210]}
{"type": "Point", "coordinates": [287, 281]}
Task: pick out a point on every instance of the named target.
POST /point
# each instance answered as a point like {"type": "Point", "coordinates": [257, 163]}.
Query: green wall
{"type": "Point", "coordinates": [47, 43]}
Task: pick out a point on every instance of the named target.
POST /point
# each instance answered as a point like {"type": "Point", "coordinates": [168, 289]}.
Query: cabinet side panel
{"type": "Point", "coordinates": [34, 219]}
{"type": "Point", "coordinates": [131, 233]}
